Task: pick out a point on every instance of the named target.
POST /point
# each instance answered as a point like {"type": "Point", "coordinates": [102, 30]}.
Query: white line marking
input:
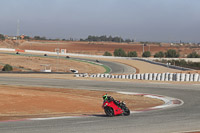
{"type": "Point", "coordinates": [54, 118]}
{"type": "Point", "coordinates": [168, 101]}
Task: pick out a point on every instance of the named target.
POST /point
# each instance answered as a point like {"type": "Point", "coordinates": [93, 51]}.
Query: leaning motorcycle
{"type": "Point", "coordinates": [111, 109]}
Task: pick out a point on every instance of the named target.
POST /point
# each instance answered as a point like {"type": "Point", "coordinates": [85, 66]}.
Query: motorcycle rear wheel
{"type": "Point", "coordinates": [109, 111]}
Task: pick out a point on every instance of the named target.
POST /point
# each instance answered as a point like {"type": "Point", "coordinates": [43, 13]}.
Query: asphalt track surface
{"type": "Point", "coordinates": [116, 68]}
{"type": "Point", "coordinates": [181, 118]}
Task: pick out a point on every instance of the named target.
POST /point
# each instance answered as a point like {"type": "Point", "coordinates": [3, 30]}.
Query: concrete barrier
{"type": "Point", "coordinates": [98, 75]}
{"type": "Point", "coordinates": [146, 76]}
{"type": "Point", "coordinates": [150, 76]}
{"type": "Point", "coordinates": [171, 76]}
{"type": "Point", "coordinates": [107, 75]}
{"type": "Point", "coordinates": [102, 75]}
{"type": "Point", "coordinates": [191, 77]}
{"type": "Point", "coordinates": [155, 76]}
{"type": "Point", "coordinates": [162, 76]}
{"type": "Point", "coordinates": [159, 76]}
{"type": "Point", "coordinates": [177, 77]}
{"type": "Point", "coordinates": [196, 77]}
{"type": "Point", "coordinates": [131, 76]}
{"type": "Point", "coordinates": [182, 77]}
{"type": "Point", "coordinates": [166, 76]}
{"type": "Point", "coordinates": [123, 76]}
{"type": "Point", "coordinates": [142, 76]}
{"type": "Point", "coordinates": [112, 76]}
{"type": "Point", "coordinates": [134, 76]}
{"type": "Point", "coordinates": [187, 77]}
{"type": "Point", "coordinates": [138, 76]}
{"type": "Point", "coordinates": [85, 75]}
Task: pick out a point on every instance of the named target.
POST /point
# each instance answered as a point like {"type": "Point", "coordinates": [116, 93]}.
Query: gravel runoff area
{"type": "Point", "coordinates": [20, 102]}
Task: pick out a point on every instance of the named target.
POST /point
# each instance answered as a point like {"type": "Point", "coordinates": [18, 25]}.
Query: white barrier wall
{"type": "Point", "coordinates": [150, 76]}
{"type": "Point", "coordinates": [171, 76]}
{"type": "Point", "coordinates": [182, 77]}
{"type": "Point", "coordinates": [155, 76]}
{"type": "Point", "coordinates": [158, 77]}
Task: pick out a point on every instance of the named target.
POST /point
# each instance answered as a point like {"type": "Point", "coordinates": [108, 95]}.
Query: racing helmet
{"type": "Point", "coordinates": [105, 96]}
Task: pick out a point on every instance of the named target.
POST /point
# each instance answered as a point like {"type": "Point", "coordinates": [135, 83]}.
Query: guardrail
{"type": "Point", "coordinates": [149, 76]}
{"type": "Point", "coordinates": [162, 64]}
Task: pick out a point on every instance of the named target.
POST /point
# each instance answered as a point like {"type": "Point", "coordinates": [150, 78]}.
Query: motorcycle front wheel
{"type": "Point", "coordinates": [109, 111]}
{"type": "Point", "coordinates": [126, 111]}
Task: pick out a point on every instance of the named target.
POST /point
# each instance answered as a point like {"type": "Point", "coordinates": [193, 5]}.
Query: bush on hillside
{"type": "Point", "coordinates": [171, 53]}
{"type": "Point", "coordinates": [146, 54]}
{"type": "Point", "coordinates": [2, 37]}
{"type": "Point", "coordinates": [7, 67]}
{"type": "Point", "coordinates": [159, 54]}
{"type": "Point", "coordinates": [193, 55]}
{"type": "Point", "coordinates": [119, 52]}
{"type": "Point", "coordinates": [132, 54]}
{"type": "Point", "coordinates": [107, 54]}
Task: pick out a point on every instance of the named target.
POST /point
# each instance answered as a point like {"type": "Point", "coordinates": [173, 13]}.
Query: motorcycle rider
{"type": "Point", "coordinates": [109, 99]}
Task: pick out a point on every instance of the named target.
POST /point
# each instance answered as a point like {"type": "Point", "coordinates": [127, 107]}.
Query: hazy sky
{"type": "Point", "coordinates": [143, 20]}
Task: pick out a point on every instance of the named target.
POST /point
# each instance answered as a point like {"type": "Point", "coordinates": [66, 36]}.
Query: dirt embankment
{"type": "Point", "coordinates": [98, 48]}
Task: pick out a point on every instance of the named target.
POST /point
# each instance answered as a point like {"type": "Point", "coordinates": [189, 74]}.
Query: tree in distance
{"type": "Point", "coordinates": [132, 54]}
{"type": "Point", "coordinates": [2, 37]}
{"type": "Point", "coordinates": [7, 67]}
{"type": "Point", "coordinates": [119, 52]}
{"type": "Point", "coordinates": [171, 53]}
{"type": "Point", "coordinates": [159, 54]}
{"type": "Point", "coordinates": [146, 54]}
{"type": "Point", "coordinates": [193, 55]}
{"type": "Point", "coordinates": [107, 54]}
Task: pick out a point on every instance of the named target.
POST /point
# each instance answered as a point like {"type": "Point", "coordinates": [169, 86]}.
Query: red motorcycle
{"type": "Point", "coordinates": [111, 109]}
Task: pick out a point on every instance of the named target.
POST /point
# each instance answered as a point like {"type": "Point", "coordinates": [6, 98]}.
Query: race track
{"type": "Point", "coordinates": [182, 118]}
{"type": "Point", "coordinates": [116, 68]}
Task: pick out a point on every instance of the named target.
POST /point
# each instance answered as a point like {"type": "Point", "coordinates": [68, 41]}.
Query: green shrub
{"type": "Point", "coordinates": [193, 55]}
{"type": "Point", "coordinates": [119, 52]}
{"type": "Point", "coordinates": [132, 54]}
{"type": "Point", "coordinates": [107, 54]}
{"type": "Point", "coordinates": [2, 37]}
{"type": "Point", "coordinates": [171, 53]}
{"type": "Point", "coordinates": [146, 54]}
{"type": "Point", "coordinates": [7, 67]}
{"type": "Point", "coordinates": [159, 54]}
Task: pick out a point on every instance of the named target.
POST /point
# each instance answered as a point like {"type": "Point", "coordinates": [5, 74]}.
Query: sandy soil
{"type": "Point", "coordinates": [18, 102]}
